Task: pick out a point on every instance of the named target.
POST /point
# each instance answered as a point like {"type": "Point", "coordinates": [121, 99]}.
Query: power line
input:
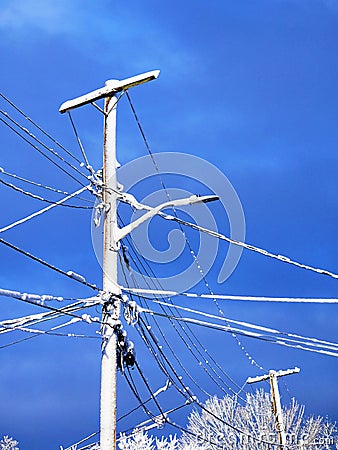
{"type": "Point", "coordinates": [203, 353]}
{"type": "Point", "coordinates": [86, 319]}
{"type": "Point", "coordinates": [52, 333]}
{"type": "Point", "coordinates": [68, 274]}
{"type": "Point", "coordinates": [42, 317]}
{"type": "Point", "coordinates": [88, 166]}
{"type": "Point", "coordinates": [38, 197]}
{"type": "Point", "coordinates": [32, 136]}
{"type": "Point", "coordinates": [145, 381]}
{"type": "Point", "coordinates": [137, 395]}
{"type": "Point", "coordinates": [252, 248]}
{"type": "Point", "coordinates": [199, 352]}
{"type": "Point", "coordinates": [195, 259]}
{"type": "Point", "coordinates": [245, 298]}
{"type": "Point", "coordinates": [40, 185]}
{"type": "Point", "coordinates": [42, 211]}
{"type": "Point", "coordinates": [194, 399]}
{"type": "Point", "coordinates": [40, 128]}
{"type": "Point", "coordinates": [41, 152]}
{"type": "Point", "coordinates": [280, 341]}
{"type": "Point", "coordinates": [43, 297]}
{"type": "Point", "coordinates": [170, 348]}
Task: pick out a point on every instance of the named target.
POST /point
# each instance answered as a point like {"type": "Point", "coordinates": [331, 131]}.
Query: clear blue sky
{"type": "Point", "coordinates": [251, 87]}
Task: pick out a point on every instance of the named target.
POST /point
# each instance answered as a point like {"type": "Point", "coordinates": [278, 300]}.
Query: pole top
{"type": "Point", "coordinates": [111, 88]}
{"type": "Point", "coordinates": [273, 373]}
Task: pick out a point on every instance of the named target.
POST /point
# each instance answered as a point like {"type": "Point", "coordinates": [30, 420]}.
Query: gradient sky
{"type": "Point", "coordinates": [251, 87]}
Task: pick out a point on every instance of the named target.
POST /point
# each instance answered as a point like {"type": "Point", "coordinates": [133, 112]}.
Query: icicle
{"type": "Point", "coordinates": [98, 210]}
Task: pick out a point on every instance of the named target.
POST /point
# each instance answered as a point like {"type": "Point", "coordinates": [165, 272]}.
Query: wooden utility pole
{"type": "Point", "coordinates": [111, 308]}
{"type": "Point", "coordinates": [112, 236]}
{"type": "Point", "coordinates": [275, 398]}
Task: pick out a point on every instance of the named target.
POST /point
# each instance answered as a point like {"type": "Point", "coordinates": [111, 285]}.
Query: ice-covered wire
{"type": "Point", "coordinates": [134, 390]}
{"type": "Point", "coordinates": [41, 152]}
{"type": "Point", "coordinates": [159, 328]}
{"type": "Point", "coordinates": [188, 395]}
{"type": "Point", "coordinates": [40, 128]}
{"type": "Point", "coordinates": [40, 185]}
{"type": "Point", "coordinates": [41, 317]}
{"type": "Point", "coordinates": [175, 356]}
{"type": "Point", "coordinates": [153, 397]}
{"type": "Point", "coordinates": [88, 166]}
{"type": "Point", "coordinates": [10, 324]}
{"type": "Point", "coordinates": [160, 358]}
{"type": "Point", "coordinates": [194, 257]}
{"type": "Point", "coordinates": [69, 274]}
{"type": "Point", "coordinates": [251, 326]}
{"type": "Point", "coordinates": [63, 312]}
{"type": "Point", "coordinates": [204, 354]}
{"type": "Point", "coordinates": [50, 332]}
{"type": "Point", "coordinates": [250, 247]}
{"type": "Point", "coordinates": [311, 342]}
{"type": "Point", "coordinates": [245, 298]}
{"type": "Point", "coordinates": [155, 394]}
{"type": "Point", "coordinates": [43, 210]}
{"type": "Point", "coordinates": [38, 197]}
{"type": "Point", "coordinates": [49, 149]}
{"type": "Point", "coordinates": [44, 297]}
{"type": "Point", "coordinates": [212, 373]}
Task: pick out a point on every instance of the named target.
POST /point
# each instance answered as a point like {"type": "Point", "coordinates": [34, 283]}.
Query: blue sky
{"type": "Point", "coordinates": [251, 87]}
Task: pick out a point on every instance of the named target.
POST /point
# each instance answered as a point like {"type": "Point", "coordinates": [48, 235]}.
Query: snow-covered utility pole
{"type": "Point", "coordinates": [111, 309]}
{"type": "Point", "coordinates": [275, 398]}
{"type": "Point", "coordinates": [112, 236]}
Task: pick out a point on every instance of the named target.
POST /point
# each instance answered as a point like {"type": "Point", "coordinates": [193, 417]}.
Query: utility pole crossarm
{"type": "Point", "coordinates": [280, 373]}
{"type": "Point", "coordinates": [111, 89]}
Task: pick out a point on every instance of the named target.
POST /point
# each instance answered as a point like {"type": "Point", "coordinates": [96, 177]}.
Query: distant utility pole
{"type": "Point", "coordinates": [112, 237]}
{"type": "Point", "coordinates": [275, 398]}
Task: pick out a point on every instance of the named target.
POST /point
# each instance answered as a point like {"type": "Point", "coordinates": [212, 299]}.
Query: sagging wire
{"type": "Point", "coordinates": [38, 197]}
{"type": "Point", "coordinates": [145, 381]}
{"type": "Point", "coordinates": [202, 354]}
{"type": "Point", "coordinates": [40, 128]}
{"type": "Point", "coordinates": [52, 313]}
{"type": "Point", "coordinates": [247, 325]}
{"type": "Point", "coordinates": [133, 388]}
{"type": "Point", "coordinates": [42, 211]}
{"type": "Point", "coordinates": [186, 392]}
{"type": "Point", "coordinates": [33, 319]}
{"type": "Point", "coordinates": [250, 247]}
{"type": "Point", "coordinates": [40, 151]}
{"type": "Point", "coordinates": [281, 340]}
{"type": "Point", "coordinates": [245, 298]}
{"type": "Point", "coordinates": [69, 274]}
{"type": "Point", "coordinates": [149, 399]}
{"type": "Point", "coordinates": [174, 354]}
{"type": "Point", "coordinates": [87, 165]}
{"type": "Point", "coordinates": [246, 353]}
{"type": "Point", "coordinates": [40, 185]}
